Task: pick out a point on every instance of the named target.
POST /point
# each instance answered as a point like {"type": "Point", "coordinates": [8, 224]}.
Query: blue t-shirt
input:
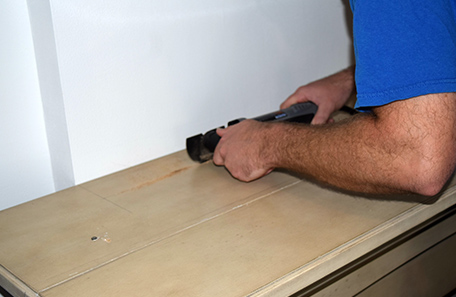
{"type": "Point", "coordinates": [403, 49]}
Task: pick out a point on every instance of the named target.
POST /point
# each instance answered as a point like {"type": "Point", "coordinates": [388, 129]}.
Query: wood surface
{"type": "Point", "coordinates": [384, 275]}
{"type": "Point", "coordinates": [432, 273]}
{"type": "Point", "coordinates": [172, 227]}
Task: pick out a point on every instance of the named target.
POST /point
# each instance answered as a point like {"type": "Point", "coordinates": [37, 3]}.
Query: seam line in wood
{"type": "Point", "coordinates": [171, 235]}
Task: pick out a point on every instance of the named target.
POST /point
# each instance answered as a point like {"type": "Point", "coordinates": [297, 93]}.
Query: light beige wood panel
{"type": "Point", "coordinates": [13, 285]}
{"type": "Point", "coordinates": [140, 176]}
{"type": "Point", "coordinates": [48, 240]}
{"type": "Point", "coordinates": [433, 273]}
{"type": "Point", "coordinates": [373, 271]}
{"type": "Point", "coordinates": [246, 229]}
{"type": "Point", "coordinates": [194, 196]}
{"type": "Point", "coordinates": [353, 249]}
{"type": "Point", "coordinates": [241, 250]}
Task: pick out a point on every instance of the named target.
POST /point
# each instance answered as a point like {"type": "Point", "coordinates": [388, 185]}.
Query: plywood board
{"type": "Point", "coordinates": [240, 250]}
{"type": "Point", "coordinates": [48, 241]}
{"type": "Point", "coordinates": [433, 273]}
{"type": "Point", "coordinates": [172, 227]}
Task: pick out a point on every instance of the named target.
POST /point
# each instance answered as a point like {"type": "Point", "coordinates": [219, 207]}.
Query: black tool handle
{"type": "Point", "coordinates": [211, 139]}
{"type": "Point", "coordinates": [300, 113]}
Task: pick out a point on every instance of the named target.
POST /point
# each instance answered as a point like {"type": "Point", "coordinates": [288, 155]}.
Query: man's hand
{"type": "Point", "coordinates": [244, 150]}
{"type": "Point", "coordinates": [329, 93]}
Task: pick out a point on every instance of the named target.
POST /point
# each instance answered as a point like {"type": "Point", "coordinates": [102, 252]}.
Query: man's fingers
{"type": "Point", "coordinates": [287, 103]}
{"type": "Point", "coordinates": [220, 132]}
{"type": "Point", "coordinates": [322, 115]}
{"type": "Point", "coordinates": [293, 99]}
{"type": "Point", "coordinates": [217, 158]}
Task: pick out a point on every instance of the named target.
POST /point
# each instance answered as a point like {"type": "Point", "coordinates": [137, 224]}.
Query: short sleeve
{"type": "Point", "coordinates": [403, 49]}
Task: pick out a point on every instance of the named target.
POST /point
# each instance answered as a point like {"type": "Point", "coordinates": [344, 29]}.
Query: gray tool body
{"type": "Point", "coordinates": [201, 147]}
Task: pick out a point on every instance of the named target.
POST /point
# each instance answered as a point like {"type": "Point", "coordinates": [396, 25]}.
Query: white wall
{"type": "Point", "coordinates": [127, 81]}
{"type": "Point", "coordinates": [25, 168]}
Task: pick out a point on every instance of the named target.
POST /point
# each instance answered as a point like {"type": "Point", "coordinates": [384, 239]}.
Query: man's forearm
{"type": "Point", "coordinates": [347, 155]}
{"type": "Point", "coordinates": [400, 149]}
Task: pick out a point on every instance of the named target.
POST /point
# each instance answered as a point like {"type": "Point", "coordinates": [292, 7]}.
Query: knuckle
{"type": "Point", "coordinates": [237, 173]}
{"type": "Point", "coordinates": [222, 151]}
